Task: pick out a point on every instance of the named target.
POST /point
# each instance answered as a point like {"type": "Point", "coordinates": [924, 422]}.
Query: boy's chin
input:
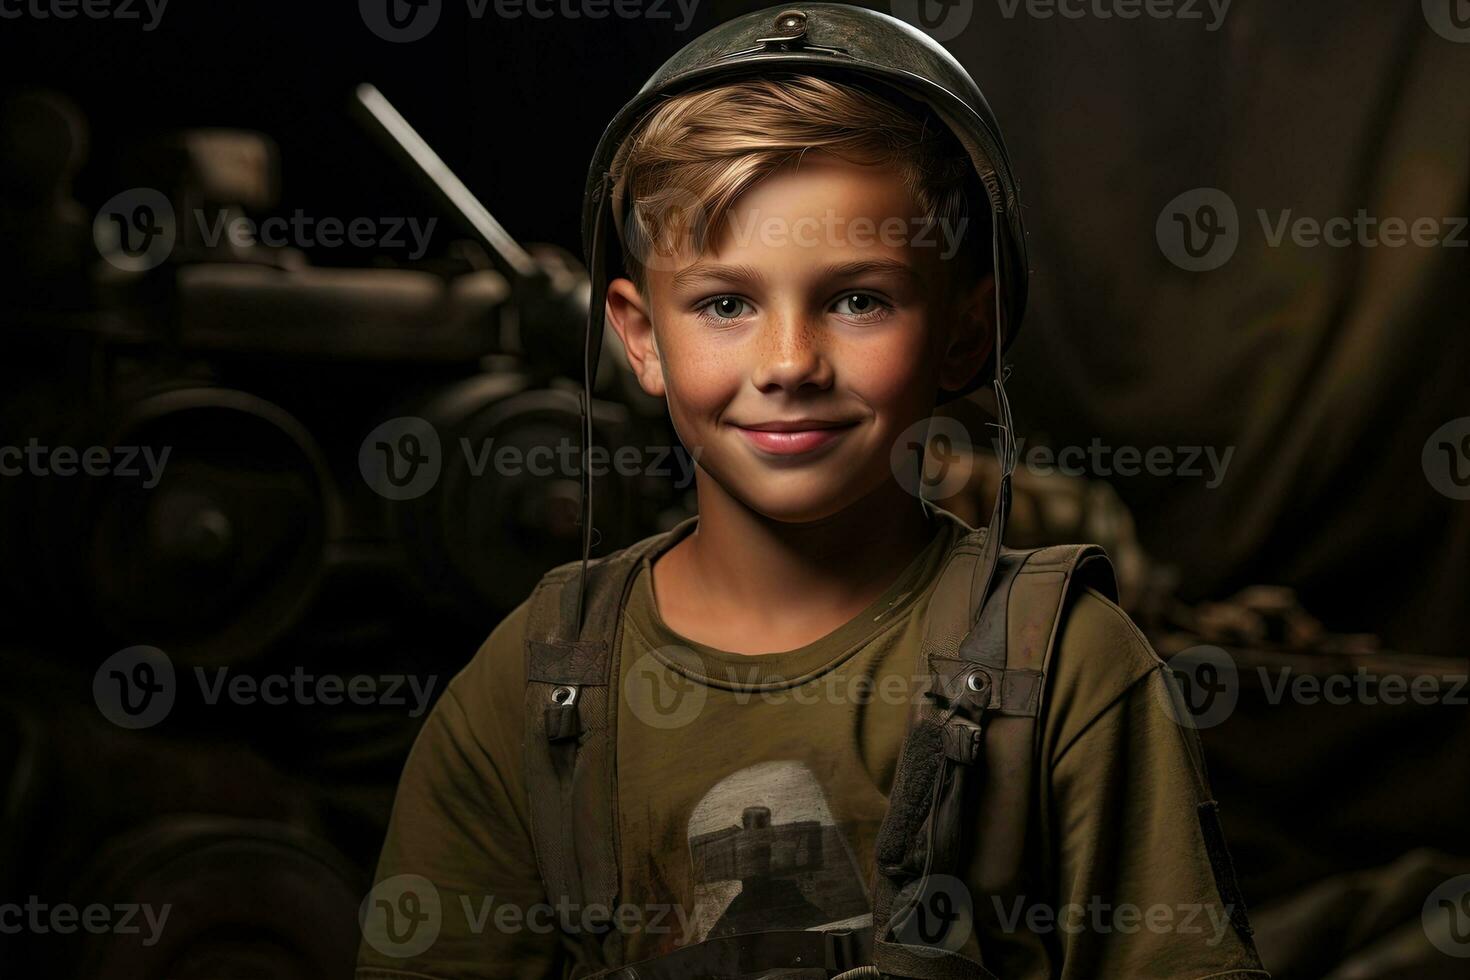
{"type": "Point", "coordinates": [807, 505]}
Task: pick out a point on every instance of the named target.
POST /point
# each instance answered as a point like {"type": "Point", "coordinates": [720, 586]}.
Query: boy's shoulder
{"type": "Point", "coordinates": [492, 683]}
{"type": "Point", "coordinates": [1101, 659]}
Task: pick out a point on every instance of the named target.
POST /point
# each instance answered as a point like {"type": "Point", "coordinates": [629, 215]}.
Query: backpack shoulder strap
{"type": "Point", "coordinates": [1017, 632]}
{"type": "Point", "coordinates": [570, 741]}
{"type": "Point", "coordinates": [964, 782]}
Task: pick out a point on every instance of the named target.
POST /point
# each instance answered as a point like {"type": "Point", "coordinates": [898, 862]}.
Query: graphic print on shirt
{"type": "Point", "coordinates": [767, 854]}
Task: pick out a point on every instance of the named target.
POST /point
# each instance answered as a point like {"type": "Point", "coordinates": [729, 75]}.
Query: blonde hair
{"type": "Point", "coordinates": [687, 162]}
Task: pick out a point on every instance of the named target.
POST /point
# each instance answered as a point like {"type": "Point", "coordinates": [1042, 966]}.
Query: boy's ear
{"type": "Point", "coordinates": [630, 317]}
{"type": "Point", "coordinates": [971, 335]}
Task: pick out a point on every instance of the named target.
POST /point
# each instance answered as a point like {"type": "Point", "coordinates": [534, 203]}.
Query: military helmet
{"type": "Point", "coordinates": [844, 43]}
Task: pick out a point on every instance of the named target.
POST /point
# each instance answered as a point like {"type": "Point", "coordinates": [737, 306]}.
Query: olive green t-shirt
{"type": "Point", "coordinates": [712, 745]}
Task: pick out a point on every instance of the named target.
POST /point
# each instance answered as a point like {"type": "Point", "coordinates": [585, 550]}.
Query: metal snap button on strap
{"type": "Point", "coordinates": [563, 721]}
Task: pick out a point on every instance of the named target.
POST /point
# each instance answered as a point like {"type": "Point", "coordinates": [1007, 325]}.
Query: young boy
{"type": "Point", "coordinates": [724, 788]}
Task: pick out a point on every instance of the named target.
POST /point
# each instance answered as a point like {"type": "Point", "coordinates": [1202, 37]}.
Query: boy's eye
{"type": "Point", "coordinates": [723, 308]}
{"type": "Point", "coordinates": [864, 306]}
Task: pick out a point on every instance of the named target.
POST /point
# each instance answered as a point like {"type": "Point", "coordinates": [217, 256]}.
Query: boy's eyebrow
{"type": "Point", "coordinates": [714, 270]}
{"type": "Point", "coordinates": [891, 267]}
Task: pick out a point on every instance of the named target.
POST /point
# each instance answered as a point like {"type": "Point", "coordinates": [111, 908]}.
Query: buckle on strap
{"type": "Point", "coordinates": [845, 949]}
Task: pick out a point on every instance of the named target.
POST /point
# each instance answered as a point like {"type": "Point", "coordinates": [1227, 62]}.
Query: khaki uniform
{"type": "Point", "coordinates": [712, 745]}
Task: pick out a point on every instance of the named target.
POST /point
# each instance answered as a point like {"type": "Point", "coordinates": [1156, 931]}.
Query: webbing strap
{"type": "Point", "coordinates": [982, 718]}
{"type": "Point", "coordinates": [570, 748]}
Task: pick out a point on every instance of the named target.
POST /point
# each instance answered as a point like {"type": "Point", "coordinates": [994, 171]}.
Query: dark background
{"type": "Point", "coordinates": [1326, 369]}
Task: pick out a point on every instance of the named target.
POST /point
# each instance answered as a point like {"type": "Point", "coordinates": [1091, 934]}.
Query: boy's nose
{"type": "Point", "coordinates": [791, 354]}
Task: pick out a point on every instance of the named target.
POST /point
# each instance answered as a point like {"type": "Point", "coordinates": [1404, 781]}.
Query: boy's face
{"type": "Point", "coordinates": [796, 350]}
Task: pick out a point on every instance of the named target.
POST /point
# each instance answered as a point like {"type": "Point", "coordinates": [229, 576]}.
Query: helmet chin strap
{"type": "Point", "coordinates": [984, 572]}
{"type": "Point", "coordinates": [596, 312]}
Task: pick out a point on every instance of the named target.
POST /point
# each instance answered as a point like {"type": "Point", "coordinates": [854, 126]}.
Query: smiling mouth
{"type": "Point", "coordinates": [793, 438]}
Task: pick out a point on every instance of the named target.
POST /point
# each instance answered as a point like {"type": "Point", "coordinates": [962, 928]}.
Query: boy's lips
{"type": "Point", "coordinates": [795, 436]}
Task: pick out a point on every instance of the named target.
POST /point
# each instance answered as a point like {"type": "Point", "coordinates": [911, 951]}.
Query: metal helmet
{"type": "Point", "coordinates": [844, 43]}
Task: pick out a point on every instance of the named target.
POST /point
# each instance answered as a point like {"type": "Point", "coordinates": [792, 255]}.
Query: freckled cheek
{"type": "Point", "coordinates": [884, 372]}
{"type": "Point", "coordinates": [701, 377]}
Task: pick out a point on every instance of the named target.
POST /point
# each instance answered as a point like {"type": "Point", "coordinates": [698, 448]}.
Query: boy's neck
{"type": "Point", "coordinates": [746, 583]}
